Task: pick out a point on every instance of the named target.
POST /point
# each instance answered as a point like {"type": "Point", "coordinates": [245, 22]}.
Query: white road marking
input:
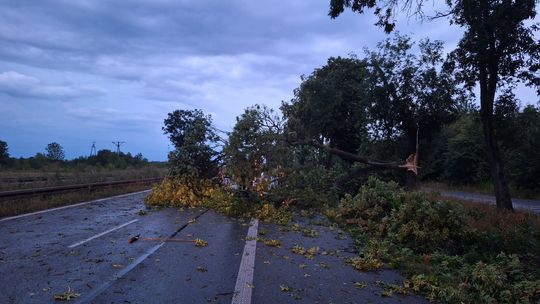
{"type": "Point", "coordinates": [244, 280]}
{"type": "Point", "coordinates": [96, 292]}
{"type": "Point", "coordinates": [71, 206]}
{"type": "Point", "coordinates": [101, 234]}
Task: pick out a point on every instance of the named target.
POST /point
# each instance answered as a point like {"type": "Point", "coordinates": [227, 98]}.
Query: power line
{"type": "Point", "coordinates": [118, 144]}
{"type": "Point", "coordinates": [93, 149]}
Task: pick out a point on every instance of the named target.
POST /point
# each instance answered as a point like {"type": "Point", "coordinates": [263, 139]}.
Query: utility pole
{"type": "Point", "coordinates": [93, 149]}
{"type": "Point", "coordinates": [118, 144]}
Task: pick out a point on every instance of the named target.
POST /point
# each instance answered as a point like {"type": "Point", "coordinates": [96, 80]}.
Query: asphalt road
{"type": "Point", "coordinates": [84, 251]}
{"type": "Point", "coordinates": [524, 204]}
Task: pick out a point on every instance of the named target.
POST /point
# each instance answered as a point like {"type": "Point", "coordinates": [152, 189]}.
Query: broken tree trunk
{"type": "Point", "coordinates": [410, 164]}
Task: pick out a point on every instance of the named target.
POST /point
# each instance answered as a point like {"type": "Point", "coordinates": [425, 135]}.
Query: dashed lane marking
{"type": "Point", "coordinates": [89, 298]}
{"type": "Point", "coordinates": [101, 234]}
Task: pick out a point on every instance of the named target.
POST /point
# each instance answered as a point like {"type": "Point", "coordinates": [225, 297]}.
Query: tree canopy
{"type": "Point", "coordinates": [194, 139]}
{"type": "Point", "coordinates": [54, 151]}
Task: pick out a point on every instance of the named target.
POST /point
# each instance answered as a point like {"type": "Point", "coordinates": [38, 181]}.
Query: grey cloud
{"type": "Point", "coordinates": [124, 64]}
{"type": "Point", "coordinates": [17, 84]}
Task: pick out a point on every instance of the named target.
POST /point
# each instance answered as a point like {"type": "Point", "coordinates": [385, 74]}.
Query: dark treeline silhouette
{"type": "Point", "coordinates": [104, 158]}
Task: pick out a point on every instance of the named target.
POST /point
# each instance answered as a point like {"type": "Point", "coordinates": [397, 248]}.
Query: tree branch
{"type": "Point", "coordinates": [350, 156]}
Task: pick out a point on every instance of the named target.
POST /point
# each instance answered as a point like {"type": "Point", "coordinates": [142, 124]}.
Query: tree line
{"type": "Point", "coordinates": [54, 156]}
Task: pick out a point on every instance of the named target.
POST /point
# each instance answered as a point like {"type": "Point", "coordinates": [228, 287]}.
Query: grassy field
{"type": "Point", "coordinates": [26, 179]}
{"type": "Point", "coordinates": [52, 177]}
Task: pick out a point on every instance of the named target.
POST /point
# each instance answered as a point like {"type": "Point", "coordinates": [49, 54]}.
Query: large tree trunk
{"type": "Point", "coordinates": [502, 192]}
{"type": "Point", "coordinates": [412, 180]}
{"type": "Point", "coordinates": [488, 87]}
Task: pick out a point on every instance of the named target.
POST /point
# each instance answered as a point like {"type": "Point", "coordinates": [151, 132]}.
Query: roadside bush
{"type": "Point", "coordinates": [425, 225]}
{"type": "Point", "coordinates": [408, 219]}
{"type": "Point", "coordinates": [371, 205]}
{"type": "Point", "coordinates": [451, 252]}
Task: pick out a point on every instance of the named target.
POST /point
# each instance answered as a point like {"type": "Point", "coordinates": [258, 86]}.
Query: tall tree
{"type": "Point", "coordinates": [497, 49]}
{"type": "Point", "coordinates": [194, 139]}
{"type": "Point", "coordinates": [54, 151]}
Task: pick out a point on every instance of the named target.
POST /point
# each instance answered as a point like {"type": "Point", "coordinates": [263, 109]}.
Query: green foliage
{"type": "Point", "coordinates": [330, 104]}
{"type": "Point", "coordinates": [54, 151]}
{"type": "Point", "coordinates": [450, 253]}
{"type": "Point", "coordinates": [192, 135]}
{"type": "Point", "coordinates": [310, 187]}
{"type": "Point", "coordinates": [188, 192]}
{"type": "Point", "coordinates": [374, 202]}
{"type": "Point", "coordinates": [464, 156]}
{"type": "Point", "coordinates": [371, 257]}
{"type": "Point", "coordinates": [269, 213]}
{"type": "Point", "coordinates": [255, 149]}
{"type": "Point", "coordinates": [521, 143]}
{"type": "Point", "coordinates": [458, 153]}
{"type": "Point", "coordinates": [425, 225]}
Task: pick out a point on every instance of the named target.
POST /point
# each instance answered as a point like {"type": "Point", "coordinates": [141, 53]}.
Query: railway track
{"type": "Point", "coordinates": [71, 188]}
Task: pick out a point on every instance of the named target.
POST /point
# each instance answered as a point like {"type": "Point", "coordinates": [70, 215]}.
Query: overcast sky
{"type": "Point", "coordinates": [77, 71]}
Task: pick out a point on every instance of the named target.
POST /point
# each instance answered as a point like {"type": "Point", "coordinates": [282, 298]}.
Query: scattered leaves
{"type": "Point", "coordinates": [360, 285]}
{"type": "Point", "coordinates": [310, 232]}
{"type": "Point", "coordinates": [311, 252]}
{"type": "Point", "coordinates": [323, 265]}
{"type": "Point", "coordinates": [285, 288]}
{"type": "Point", "coordinates": [200, 243]}
{"type": "Point", "coordinates": [272, 242]}
{"type": "Point", "coordinates": [69, 295]}
{"type": "Point", "coordinates": [298, 249]}
{"type": "Point", "coordinates": [201, 269]}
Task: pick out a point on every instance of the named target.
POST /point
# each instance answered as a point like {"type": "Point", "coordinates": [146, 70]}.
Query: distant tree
{"type": "Point", "coordinates": [54, 151]}
{"type": "Point", "coordinates": [4, 152]}
{"type": "Point", "coordinates": [522, 152]}
{"type": "Point", "coordinates": [497, 49]}
{"type": "Point", "coordinates": [194, 140]}
{"type": "Point", "coordinates": [464, 154]}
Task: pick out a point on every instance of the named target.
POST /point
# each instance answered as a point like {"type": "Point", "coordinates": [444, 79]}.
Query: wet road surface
{"type": "Point", "coordinates": [523, 204]}
{"type": "Point", "coordinates": [85, 250]}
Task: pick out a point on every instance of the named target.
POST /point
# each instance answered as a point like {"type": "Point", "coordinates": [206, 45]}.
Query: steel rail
{"type": "Point", "coordinates": [60, 189]}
